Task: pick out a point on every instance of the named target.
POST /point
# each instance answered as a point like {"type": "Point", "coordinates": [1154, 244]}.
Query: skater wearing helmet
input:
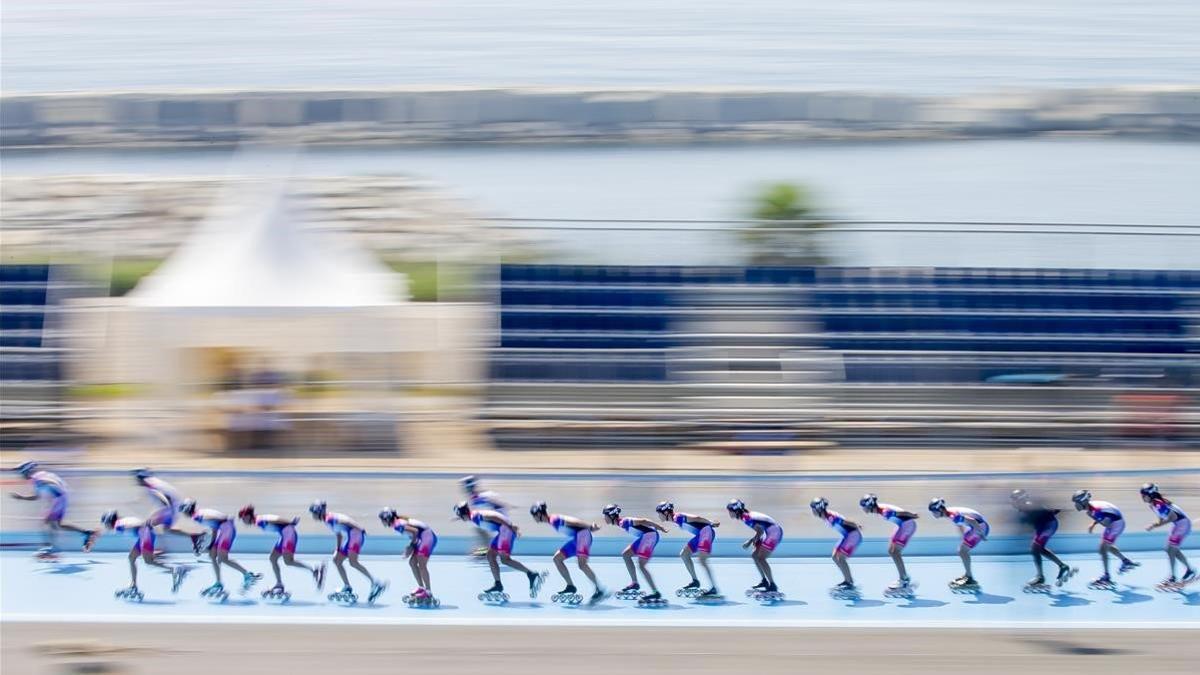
{"type": "Point", "coordinates": [906, 525]}
{"type": "Point", "coordinates": [285, 548]}
{"type": "Point", "coordinates": [851, 537]}
{"type": "Point", "coordinates": [168, 500]}
{"type": "Point", "coordinates": [578, 545]}
{"type": "Point", "coordinates": [224, 531]}
{"type": "Point", "coordinates": [703, 533]}
{"type": "Point", "coordinates": [1108, 515]}
{"type": "Point", "coordinates": [974, 528]}
{"type": "Point", "coordinates": [1170, 514]}
{"type": "Point", "coordinates": [422, 542]}
{"type": "Point", "coordinates": [350, 538]}
{"type": "Point", "coordinates": [1044, 522]}
{"type": "Point", "coordinates": [143, 547]}
{"type": "Point", "coordinates": [767, 535]}
{"type": "Point", "coordinates": [647, 532]}
{"type": "Point", "coordinates": [54, 489]}
{"type": "Point", "coordinates": [499, 550]}
{"type": "Point", "coordinates": [482, 500]}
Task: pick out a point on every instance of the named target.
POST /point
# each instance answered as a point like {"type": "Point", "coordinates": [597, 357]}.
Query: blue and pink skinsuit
{"type": "Point", "coordinates": [288, 537]}
{"type": "Point", "coordinates": [424, 541]}
{"type": "Point", "coordinates": [142, 531]}
{"type": "Point", "coordinates": [772, 532]}
{"type": "Point", "coordinates": [54, 490]}
{"type": "Point", "coordinates": [223, 529]}
{"type": "Point", "coordinates": [352, 533]}
{"type": "Point", "coordinates": [579, 539]}
{"type": "Point", "coordinates": [905, 527]}
{"type": "Point", "coordinates": [503, 534]}
{"type": "Point", "coordinates": [1108, 515]}
{"type": "Point", "coordinates": [976, 531]}
{"type": "Point", "coordinates": [162, 491]}
{"type": "Point", "coordinates": [647, 538]}
{"type": "Point", "coordinates": [1182, 525]}
{"type": "Point", "coordinates": [702, 536]}
{"type": "Point", "coordinates": [851, 538]}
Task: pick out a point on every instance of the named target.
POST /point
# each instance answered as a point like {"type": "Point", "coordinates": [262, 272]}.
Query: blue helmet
{"type": "Point", "coordinates": [469, 483]}
{"type": "Point", "coordinates": [664, 507]}
{"type": "Point", "coordinates": [869, 502]}
{"type": "Point", "coordinates": [611, 511]}
{"type": "Point", "coordinates": [26, 469]}
{"type": "Point", "coordinates": [538, 509]}
{"type": "Point", "coordinates": [142, 473]}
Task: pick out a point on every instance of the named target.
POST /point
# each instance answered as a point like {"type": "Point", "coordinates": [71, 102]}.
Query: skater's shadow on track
{"type": "Point", "coordinates": [1068, 600]}
{"type": "Point", "coordinates": [71, 568]}
{"type": "Point", "coordinates": [155, 603]}
{"type": "Point", "coordinates": [724, 603]}
{"type": "Point", "coordinates": [367, 605]}
{"type": "Point", "coordinates": [661, 608]}
{"type": "Point", "coordinates": [1191, 598]}
{"type": "Point", "coordinates": [1131, 597]}
{"type": "Point", "coordinates": [864, 603]}
{"type": "Point", "coordinates": [922, 603]}
{"type": "Point", "coordinates": [519, 605]}
{"type": "Point", "coordinates": [782, 603]}
{"type": "Point", "coordinates": [591, 608]}
{"type": "Point", "coordinates": [295, 603]}
{"type": "Point", "coordinates": [241, 602]}
{"type": "Point", "coordinates": [989, 599]}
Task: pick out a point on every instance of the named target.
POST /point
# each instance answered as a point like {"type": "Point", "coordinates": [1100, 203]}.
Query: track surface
{"type": "Point", "coordinates": [68, 649]}
{"type": "Point", "coordinates": [80, 588]}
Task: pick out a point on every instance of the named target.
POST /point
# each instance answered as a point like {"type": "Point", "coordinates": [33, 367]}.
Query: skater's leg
{"type": "Point", "coordinates": [1117, 552]}
{"type": "Point", "coordinates": [275, 555]}
{"type": "Point", "coordinates": [423, 572]}
{"type": "Point", "coordinates": [686, 555]}
{"type": "Point", "coordinates": [289, 559]}
{"type": "Point", "coordinates": [627, 555]}
{"type": "Point", "coordinates": [416, 570]}
{"type": "Point", "coordinates": [148, 558]}
{"type": "Point", "coordinates": [843, 565]}
{"type": "Point", "coordinates": [1104, 557]}
{"type": "Point", "coordinates": [561, 564]}
{"type": "Point", "coordinates": [712, 582]}
{"type": "Point", "coordinates": [582, 560]}
{"type": "Point", "coordinates": [493, 565]}
{"type": "Point", "coordinates": [898, 557]}
{"type": "Point", "coordinates": [1036, 552]}
{"type": "Point", "coordinates": [512, 562]}
{"type": "Point", "coordinates": [761, 555]}
{"type": "Point", "coordinates": [964, 552]}
{"type": "Point", "coordinates": [1050, 555]}
{"type": "Point", "coordinates": [644, 565]}
{"type": "Point", "coordinates": [224, 559]}
{"type": "Point", "coordinates": [353, 557]}
{"type": "Point", "coordinates": [338, 562]}
{"type": "Point", "coordinates": [133, 556]}
{"type": "Point", "coordinates": [71, 528]}
{"type": "Point", "coordinates": [216, 564]}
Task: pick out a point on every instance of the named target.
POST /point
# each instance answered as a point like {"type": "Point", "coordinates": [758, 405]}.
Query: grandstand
{"type": "Point", "coordinates": [787, 357]}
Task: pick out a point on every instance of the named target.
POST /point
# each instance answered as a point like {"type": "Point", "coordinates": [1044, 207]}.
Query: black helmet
{"type": "Point", "coordinates": [538, 509]}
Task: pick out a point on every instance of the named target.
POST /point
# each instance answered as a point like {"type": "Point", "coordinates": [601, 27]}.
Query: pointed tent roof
{"type": "Point", "coordinates": [259, 255]}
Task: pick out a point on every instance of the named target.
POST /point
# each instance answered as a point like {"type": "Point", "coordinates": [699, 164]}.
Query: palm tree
{"type": "Point", "coordinates": [787, 231]}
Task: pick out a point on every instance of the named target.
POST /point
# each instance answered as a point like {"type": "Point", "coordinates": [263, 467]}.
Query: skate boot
{"type": "Point", "coordinates": [710, 595]}
{"type": "Point", "coordinates": [536, 579]}
{"type": "Point", "coordinates": [757, 588]}
{"type": "Point", "coordinates": [692, 590]}
{"type": "Point", "coordinates": [630, 592]}
{"type": "Point", "coordinates": [216, 592]}
{"type": "Point", "coordinates": [319, 576]}
{"type": "Point", "coordinates": [377, 589]}
{"type": "Point", "coordinates": [132, 594]}
{"type": "Point", "coordinates": [248, 581]}
{"type": "Point", "coordinates": [276, 593]}
{"type": "Point", "coordinates": [346, 596]}
{"type": "Point", "coordinates": [567, 596]}
{"type": "Point", "coordinates": [1037, 585]}
{"type": "Point", "coordinates": [1065, 573]}
{"type": "Point", "coordinates": [654, 599]}
{"type": "Point", "coordinates": [769, 595]}
{"type": "Point", "coordinates": [1102, 583]}
{"type": "Point", "coordinates": [494, 595]}
{"type": "Point", "coordinates": [1128, 566]}
{"type": "Point", "coordinates": [178, 574]}
{"type": "Point", "coordinates": [902, 588]}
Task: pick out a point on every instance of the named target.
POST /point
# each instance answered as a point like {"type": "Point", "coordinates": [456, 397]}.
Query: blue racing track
{"type": "Point", "coordinates": [80, 587]}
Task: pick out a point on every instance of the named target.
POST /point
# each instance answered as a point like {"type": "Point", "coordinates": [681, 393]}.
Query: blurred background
{"type": "Point", "coordinates": [819, 241]}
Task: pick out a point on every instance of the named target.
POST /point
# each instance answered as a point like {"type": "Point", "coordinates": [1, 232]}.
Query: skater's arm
{"type": "Point", "coordinates": [908, 515]}
{"type": "Point", "coordinates": [579, 524]}
{"type": "Point", "coordinates": [337, 544]}
{"type": "Point", "coordinates": [758, 534]}
{"type": "Point", "coordinates": [24, 498]}
{"type": "Point", "coordinates": [1093, 526]}
{"type": "Point", "coordinates": [646, 522]}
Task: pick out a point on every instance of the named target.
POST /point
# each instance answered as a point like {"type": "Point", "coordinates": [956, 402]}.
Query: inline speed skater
{"type": "Point", "coordinates": [482, 500]}
{"type": "Point", "coordinates": [168, 500]}
{"type": "Point", "coordinates": [1170, 514]}
{"type": "Point", "coordinates": [143, 547]}
{"type": "Point", "coordinates": [703, 533]}
{"type": "Point", "coordinates": [224, 531]}
{"type": "Point", "coordinates": [1108, 515]}
{"type": "Point", "coordinates": [504, 533]}
{"type": "Point", "coordinates": [767, 535]}
{"type": "Point", "coordinates": [350, 538]}
{"type": "Point", "coordinates": [422, 541]}
{"type": "Point", "coordinates": [906, 525]}
{"type": "Point", "coordinates": [578, 545]}
{"type": "Point", "coordinates": [974, 529]}
{"type": "Point", "coordinates": [851, 538]}
{"type": "Point", "coordinates": [285, 548]}
{"type": "Point", "coordinates": [53, 489]}
{"type": "Point", "coordinates": [1044, 522]}
{"type": "Point", "coordinates": [647, 532]}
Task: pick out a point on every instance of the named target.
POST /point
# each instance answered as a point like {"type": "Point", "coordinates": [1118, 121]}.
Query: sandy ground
{"type": "Point", "coordinates": [68, 649]}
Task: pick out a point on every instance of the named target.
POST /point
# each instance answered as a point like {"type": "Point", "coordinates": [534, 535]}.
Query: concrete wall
{"type": "Point", "coordinates": [559, 115]}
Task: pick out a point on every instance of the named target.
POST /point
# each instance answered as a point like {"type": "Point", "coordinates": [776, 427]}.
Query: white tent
{"type": "Point", "coordinates": [259, 255]}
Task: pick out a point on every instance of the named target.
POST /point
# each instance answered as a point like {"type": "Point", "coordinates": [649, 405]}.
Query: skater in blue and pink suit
{"type": "Point", "coordinates": [350, 538]}
{"type": "Point", "coordinates": [53, 489]}
{"type": "Point", "coordinates": [504, 534]}
{"type": "Point", "coordinates": [224, 532]}
{"type": "Point", "coordinates": [906, 525]}
{"type": "Point", "coordinates": [851, 537]}
{"type": "Point", "coordinates": [767, 535]}
{"type": "Point", "coordinates": [285, 547]}
{"type": "Point", "coordinates": [974, 528]}
{"type": "Point", "coordinates": [647, 532]}
{"type": "Point", "coordinates": [1108, 515]}
{"type": "Point", "coordinates": [1170, 514]}
{"type": "Point", "coordinates": [578, 545]}
{"type": "Point", "coordinates": [703, 533]}
{"type": "Point", "coordinates": [168, 500]}
{"type": "Point", "coordinates": [143, 547]}
{"type": "Point", "coordinates": [422, 542]}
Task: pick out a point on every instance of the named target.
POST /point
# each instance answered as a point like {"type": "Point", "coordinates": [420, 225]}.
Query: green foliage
{"type": "Point", "coordinates": [788, 227]}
